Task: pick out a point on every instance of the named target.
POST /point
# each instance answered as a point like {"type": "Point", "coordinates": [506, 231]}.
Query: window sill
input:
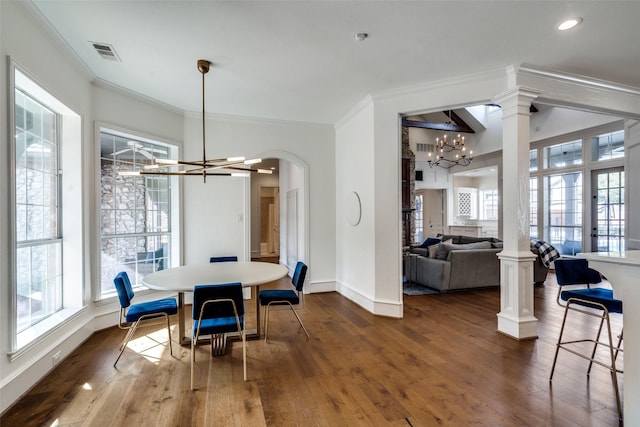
{"type": "Point", "coordinates": [41, 330]}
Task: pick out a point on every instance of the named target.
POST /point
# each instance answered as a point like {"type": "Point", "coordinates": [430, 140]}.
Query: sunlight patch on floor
{"type": "Point", "coordinates": [150, 346]}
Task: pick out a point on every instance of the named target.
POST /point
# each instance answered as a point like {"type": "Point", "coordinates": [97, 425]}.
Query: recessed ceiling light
{"type": "Point", "coordinates": [569, 23]}
{"type": "Point", "coordinates": [360, 36]}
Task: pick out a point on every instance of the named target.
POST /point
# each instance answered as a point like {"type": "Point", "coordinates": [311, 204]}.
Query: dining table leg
{"type": "Point", "coordinates": [181, 329]}
{"type": "Point", "coordinates": [257, 287]}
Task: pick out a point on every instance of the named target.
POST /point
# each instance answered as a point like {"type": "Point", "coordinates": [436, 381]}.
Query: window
{"type": "Point", "coordinates": [38, 235]}
{"type": "Point", "coordinates": [557, 190]}
{"type": "Point", "coordinates": [489, 205]}
{"type": "Point", "coordinates": [47, 279]}
{"type": "Point", "coordinates": [563, 155]}
{"type": "Point", "coordinates": [533, 160]}
{"type": "Point", "coordinates": [563, 211]}
{"type": "Point", "coordinates": [135, 211]}
{"type": "Point", "coordinates": [418, 216]}
{"type": "Point", "coordinates": [607, 146]}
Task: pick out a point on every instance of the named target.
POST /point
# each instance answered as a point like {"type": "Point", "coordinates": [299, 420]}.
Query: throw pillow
{"type": "Point", "coordinates": [429, 242]}
{"type": "Point", "coordinates": [433, 250]}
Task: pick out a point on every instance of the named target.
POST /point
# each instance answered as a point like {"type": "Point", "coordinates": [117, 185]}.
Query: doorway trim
{"type": "Point", "coordinates": [301, 163]}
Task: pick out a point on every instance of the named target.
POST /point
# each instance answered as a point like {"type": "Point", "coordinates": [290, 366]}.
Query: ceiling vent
{"type": "Point", "coordinates": [106, 51]}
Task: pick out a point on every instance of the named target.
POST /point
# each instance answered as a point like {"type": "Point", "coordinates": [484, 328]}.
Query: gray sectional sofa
{"type": "Point", "coordinates": [460, 262]}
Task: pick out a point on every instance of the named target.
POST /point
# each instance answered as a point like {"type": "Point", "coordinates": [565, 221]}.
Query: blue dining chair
{"type": "Point", "coordinates": [132, 314]}
{"type": "Point", "coordinates": [595, 302]}
{"type": "Point", "coordinates": [217, 309]}
{"type": "Point", "coordinates": [270, 297]}
{"type": "Point", "coordinates": [232, 258]}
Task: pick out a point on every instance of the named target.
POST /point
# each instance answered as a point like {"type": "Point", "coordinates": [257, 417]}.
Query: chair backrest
{"type": "Point", "coordinates": [203, 293]}
{"type": "Point", "coordinates": [575, 271]}
{"type": "Point", "coordinates": [223, 259]}
{"type": "Point", "coordinates": [298, 275]}
{"type": "Point", "coordinates": [124, 289]}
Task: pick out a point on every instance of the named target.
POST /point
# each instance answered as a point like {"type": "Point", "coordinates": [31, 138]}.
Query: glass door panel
{"type": "Point", "coordinates": [607, 232]}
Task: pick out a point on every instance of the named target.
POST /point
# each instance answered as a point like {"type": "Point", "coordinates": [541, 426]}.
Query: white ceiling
{"type": "Point", "coordinates": [298, 60]}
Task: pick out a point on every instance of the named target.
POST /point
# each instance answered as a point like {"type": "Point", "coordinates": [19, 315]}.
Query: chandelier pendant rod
{"type": "Point", "coordinates": [203, 67]}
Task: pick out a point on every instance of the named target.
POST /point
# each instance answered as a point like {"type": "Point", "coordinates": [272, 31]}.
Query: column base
{"type": "Point", "coordinates": [518, 328]}
{"type": "Point", "coordinates": [516, 318]}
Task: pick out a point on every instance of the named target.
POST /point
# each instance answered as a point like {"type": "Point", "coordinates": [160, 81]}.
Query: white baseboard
{"type": "Point", "coordinates": [377, 307]}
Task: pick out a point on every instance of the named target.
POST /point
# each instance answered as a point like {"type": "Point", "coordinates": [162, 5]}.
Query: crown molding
{"type": "Point", "coordinates": [533, 71]}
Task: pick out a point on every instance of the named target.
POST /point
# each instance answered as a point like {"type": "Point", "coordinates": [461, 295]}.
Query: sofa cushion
{"type": "Point", "coordinates": [445, 248]}
{"type": "Point", "coordinates": [429, 242]}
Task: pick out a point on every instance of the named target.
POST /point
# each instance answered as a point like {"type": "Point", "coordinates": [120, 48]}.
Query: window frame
{"type": "Point", "coordinates": [175, 227]}
{"type": "Point", "coordinates": [69, 203]}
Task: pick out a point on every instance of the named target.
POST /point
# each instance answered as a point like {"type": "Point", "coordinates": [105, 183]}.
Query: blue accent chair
{"type": "Point", "coordinates": [595, 302]}
{"type": "Point", "coordinates": [132, 314]}
{"type": "Point", "coordinates": [288, 297]}
{"type": "Point", "coordinates": [217, 309]}
{"type": "Point", "coordinates": [223, 259]}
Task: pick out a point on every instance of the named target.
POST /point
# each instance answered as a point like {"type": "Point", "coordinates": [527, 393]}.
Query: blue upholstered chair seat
{"type": "Point", "coordinates": [158, 307]}
{"type": "Point", "coordinates": [596, 295]}
{"type": "Point", "coordinates": [219, 325]}
{"type": "Point", "coordinates": [275, 295]}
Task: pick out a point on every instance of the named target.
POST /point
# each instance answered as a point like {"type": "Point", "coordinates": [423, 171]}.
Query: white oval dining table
{"type": "Point", "coordinates": [183, 279]}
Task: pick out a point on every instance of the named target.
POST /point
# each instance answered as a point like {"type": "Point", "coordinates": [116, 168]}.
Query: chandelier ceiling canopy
{"type": "Point", "coordinates": [230, 166]}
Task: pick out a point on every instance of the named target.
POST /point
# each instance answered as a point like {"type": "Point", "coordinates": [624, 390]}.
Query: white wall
{"type": "Point", "coordinates": [355, 245]}
{"type": "Point", "coordinates": [555, 121]}
{"type": "Point", "coordinates": [308, 145]}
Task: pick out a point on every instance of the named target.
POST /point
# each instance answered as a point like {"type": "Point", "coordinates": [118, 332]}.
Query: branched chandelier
{"type": "Point", "coordinates": [230, 166]}
{"type": "Point", "coordinates": [450, 152]}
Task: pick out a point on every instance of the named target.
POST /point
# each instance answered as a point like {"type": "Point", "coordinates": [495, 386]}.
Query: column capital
{"type": "Point", "coordinates": [516, 100]}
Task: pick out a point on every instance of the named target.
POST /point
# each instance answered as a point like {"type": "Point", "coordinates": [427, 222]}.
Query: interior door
{"type": "Point", "coordinates": [607, 210]}
{"type": "Point", "coordinates": [292, 227]}
{"type": "Point", "coordinates": [434, 213]}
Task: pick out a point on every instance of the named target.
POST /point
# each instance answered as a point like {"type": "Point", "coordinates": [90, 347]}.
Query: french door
{"type": "Point", "coordinates": [607, 210]}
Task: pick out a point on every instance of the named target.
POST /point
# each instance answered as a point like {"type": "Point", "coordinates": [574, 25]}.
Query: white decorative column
{"type": "Point", "coordinates": [516, 317]}
{"type": "Point", "coordinates": [632, 175]}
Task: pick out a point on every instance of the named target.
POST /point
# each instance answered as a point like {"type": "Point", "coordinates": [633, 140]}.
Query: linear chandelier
{"type": "Point", "coordinates": [451, 152]}
{"type": "Point", "coordinates": [230, 166]}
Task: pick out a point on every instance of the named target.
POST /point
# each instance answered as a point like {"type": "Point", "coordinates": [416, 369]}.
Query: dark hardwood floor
{"type": "Point", "coordinates": [443, 364]}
